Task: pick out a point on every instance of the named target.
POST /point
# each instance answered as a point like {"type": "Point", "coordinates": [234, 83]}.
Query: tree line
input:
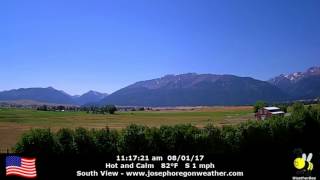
{"type": "Point", "coordinates": [107, 109]}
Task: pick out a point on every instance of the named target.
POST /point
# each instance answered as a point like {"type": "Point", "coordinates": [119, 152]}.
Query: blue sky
{"type": "Point", "coordinates": [104, 45]}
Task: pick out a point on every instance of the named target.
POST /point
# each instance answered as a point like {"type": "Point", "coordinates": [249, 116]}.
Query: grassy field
{"type": "Point", "coordinates": [14, 122]}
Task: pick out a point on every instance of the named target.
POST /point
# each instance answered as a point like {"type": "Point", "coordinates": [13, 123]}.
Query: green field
{"type": "Point", "coordinates": [14, 122]}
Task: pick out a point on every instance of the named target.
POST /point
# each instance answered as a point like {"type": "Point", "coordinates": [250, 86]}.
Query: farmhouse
{"type": "Point", "coordinates": [267, 112]}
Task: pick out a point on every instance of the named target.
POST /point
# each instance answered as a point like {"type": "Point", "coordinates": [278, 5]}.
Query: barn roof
{"type": "Point", "coordinates": [271, 108]}
{"type": "Point", "coordinates": [277, 112]}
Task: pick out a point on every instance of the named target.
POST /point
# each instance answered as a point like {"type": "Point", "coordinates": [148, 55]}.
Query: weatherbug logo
{"type": "Point", "coordinates": [303, 164]}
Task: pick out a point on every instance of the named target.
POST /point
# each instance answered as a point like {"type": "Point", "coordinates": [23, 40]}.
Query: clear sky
{"type": "Point", "coordinates": [104, 45]}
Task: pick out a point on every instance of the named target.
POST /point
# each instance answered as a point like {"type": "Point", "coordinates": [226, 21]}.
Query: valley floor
{"type": "Point", "coordinates": [14, 122]}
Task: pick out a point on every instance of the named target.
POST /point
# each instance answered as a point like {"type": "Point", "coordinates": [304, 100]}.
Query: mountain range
{"type": "Point", "coordinates": [189, 89]}
{"type": "Point", "coordinates": [90, 97]}
{"type": "Point", "coordinates": [50, 95]}
{"type": "Point", "coordinates": [196, 89]}
{"type": "Point", "coordinates": [299, 85]}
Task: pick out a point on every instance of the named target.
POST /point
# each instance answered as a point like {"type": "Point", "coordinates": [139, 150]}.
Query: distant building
{"type": "Point", "coordinates": [268, 112]}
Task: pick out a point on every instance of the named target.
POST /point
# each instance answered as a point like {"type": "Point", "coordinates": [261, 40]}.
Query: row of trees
{"type": "Point", "coordinates": [56, 108]}
{"type": "Point", "coordinates": [108, 109]}
{"type": "Point", "coordinates": [297, 130]}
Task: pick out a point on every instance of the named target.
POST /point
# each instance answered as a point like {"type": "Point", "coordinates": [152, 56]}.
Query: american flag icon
{"type": "Point", "coordinates": [20, 166]}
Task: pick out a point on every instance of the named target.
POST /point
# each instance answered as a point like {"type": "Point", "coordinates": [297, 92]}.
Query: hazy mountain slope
{"type": "Point", "coordinates": [49, 95]}
{"type": "Point", "coordinates": [90, 97]}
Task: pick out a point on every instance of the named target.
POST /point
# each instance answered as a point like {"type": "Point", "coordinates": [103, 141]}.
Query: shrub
{"type": "Point", "coordinates": [38, 142]}
{"type": "Point", "coordinates": [106, 141]}
{"type": "Point", "coordinates": [133, 140]}
{"type": "Point", "coordinates": [258, 105]}
{"type": "Point", "coordinates": [84, 141]}
{"type": "Point", "coordinates": [66, 139]}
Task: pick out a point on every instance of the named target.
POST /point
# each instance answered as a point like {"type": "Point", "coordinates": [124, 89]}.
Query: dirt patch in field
{"type": "Point", "coordinates": [10, 134]}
